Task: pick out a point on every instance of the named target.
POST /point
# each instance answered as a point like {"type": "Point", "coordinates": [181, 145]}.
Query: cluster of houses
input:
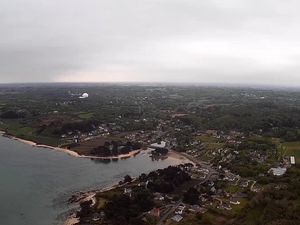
{"type": "Point", "coordinates": [283, 167]}
{"type": "Point", "coordinates": [215, 197]}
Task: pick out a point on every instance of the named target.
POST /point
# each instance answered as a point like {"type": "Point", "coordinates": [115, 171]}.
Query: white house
{"type": "Point", "coordinates": [162, 144]}
{"type": "Point", "coordinates": [293, 161]}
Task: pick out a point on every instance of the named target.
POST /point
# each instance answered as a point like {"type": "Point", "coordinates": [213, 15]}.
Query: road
{"type": "Point", "coordinates": [168, 213]}
{"type": "Point", "coordinates": [203, 164]}
{"type": "Point", "coordinates": [252, 186]}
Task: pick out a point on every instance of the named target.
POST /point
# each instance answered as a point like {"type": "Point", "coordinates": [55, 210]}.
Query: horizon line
{"type": "Point", "coordinates": [160, 83]}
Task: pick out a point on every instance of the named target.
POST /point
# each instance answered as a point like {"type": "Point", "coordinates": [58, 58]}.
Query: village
{"type": "Point", "coordinates": [214, 188]}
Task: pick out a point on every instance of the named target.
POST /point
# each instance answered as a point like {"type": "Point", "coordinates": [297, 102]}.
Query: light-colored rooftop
{"type": "Point", "coordinates": [293, 161]}
{"type": "Point", "coordinates": [279, 171]}
{"type": "Point", "coordinates": [161, 144]}
{"type": "Point", "coordinates": [177, 218]}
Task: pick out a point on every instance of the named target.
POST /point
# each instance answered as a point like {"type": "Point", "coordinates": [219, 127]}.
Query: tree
{"type": "Point", "coordinates": [11, 115]}
{"type": "Point", "coordinates": [144, 199]}
{"type": "Point", "coordinates": [191, 196]}
{"type": "Point", "coordinates": [280, 151]}
{"type": "Point", "coordinates": [127, 179]}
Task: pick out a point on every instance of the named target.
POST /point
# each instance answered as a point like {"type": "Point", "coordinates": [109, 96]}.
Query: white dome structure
{"type": "Point", "coordinates": [84, 95]}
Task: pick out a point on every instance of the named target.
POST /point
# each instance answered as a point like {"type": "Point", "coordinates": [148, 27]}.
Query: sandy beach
{"type": "Point", "coordinates": [122, 156]}
{"type": "Point", "coordinates": [178, 158]}
{"type": "Point", "coordinates": [70, 152]}
{"type": "Point", "coordinates": [71, 220]}
{"type": "Point", "coordinates": [175, 156]}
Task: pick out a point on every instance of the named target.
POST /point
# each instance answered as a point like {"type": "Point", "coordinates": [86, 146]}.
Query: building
{"type": "Point", "coordinates": [180, 209]}
{"type": "Point", "coordinates": [84, 95]}
{"type": "Point", "coordinates": [279, 171]}
{"type": "Point", "coordinates": [155, 212]}
{"type": "Point", "coordinates": [293, 161]}
{"type": "Point", "coordinates": [128, 191]}
{"type": "Point", "coordinates": [159, 145]}
{"type": "Point", "coordinates": [159, 196]}
{"type": "Point", "coordinates": [177, 218]}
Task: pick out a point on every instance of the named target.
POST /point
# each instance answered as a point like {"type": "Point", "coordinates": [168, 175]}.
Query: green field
{"type": "Point", "coordinates": [86, 115]}
{"type": "Point", "coordinates": [293, 149]}
{"type": "Point", "coordinates": [206, 138]}
{"type": "Point", "coordinates": [28, 133]}
{"type": "Point", "coordinates": [232, 189]}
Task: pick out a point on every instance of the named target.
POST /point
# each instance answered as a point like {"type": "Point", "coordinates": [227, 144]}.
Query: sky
{"type": "Point", "coordinates": [183, 41]}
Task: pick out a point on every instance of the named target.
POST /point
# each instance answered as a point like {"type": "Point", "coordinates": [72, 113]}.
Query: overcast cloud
{"type": "Point", "coordinates": [232, 41]}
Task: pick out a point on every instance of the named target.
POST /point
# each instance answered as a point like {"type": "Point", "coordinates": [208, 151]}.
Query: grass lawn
{"type": "Point", "coordinates": [232, 189]}
{"type": "Point", "coordinates": [253, 215]}
{"type": "Point", "coordinates": [265, 139]}
{"type": "Point", "coordinates": [214, 145]}
{"type": "Point", "coordinates": [211, 144]}
{"type": "Point", "coordinates": [28, 133]}
{"type": "Point", "coordinates": [189, 220]}
{"type": "Point", "coordinates": [107, 195]}
{"type": "Point", "coordinates": [18, 130]}
{"type": "Point", "coordinates": [206, 138]}
{"type": "Point", "coordinates": [86, 115]}
{"type": "Point", "coordinates": [236, 209]}
{"type": "Point", "coordinates": [214, 218]}
{"type": "Point", "coordinates": [293, 149]}
{"type": "Point", "coordinates": [100, 203]}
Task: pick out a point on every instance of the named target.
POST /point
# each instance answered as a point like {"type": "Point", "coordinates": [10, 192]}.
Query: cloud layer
{"type": "Point", "coordinates": [233, 41]}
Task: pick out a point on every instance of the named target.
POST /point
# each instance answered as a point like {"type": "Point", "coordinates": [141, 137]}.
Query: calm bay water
{"type": "Point", "coordinates": [35, 183]}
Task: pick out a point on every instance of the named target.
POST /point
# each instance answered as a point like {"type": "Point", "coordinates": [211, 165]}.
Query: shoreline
{"type": "Point", "coordinates": [87, 195]}
{"type": "Point", "coordinates": [68, 151]}
{"type": "Point", "coordinates": [179, 158]}
{"type": "Point", "coordinates": [173, 155]}
{"type": "Point", "coordinates": [176, 157]}
{"type": "Point", "coordinates": [71, 220]}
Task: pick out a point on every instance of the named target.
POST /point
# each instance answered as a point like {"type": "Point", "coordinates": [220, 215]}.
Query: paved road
{"type": "Point", "coordinates": [252, 186]}
{"type": "Point", "coordinates": [168, 213]}
{"type": "Point", "coordinates": [203, 164]}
